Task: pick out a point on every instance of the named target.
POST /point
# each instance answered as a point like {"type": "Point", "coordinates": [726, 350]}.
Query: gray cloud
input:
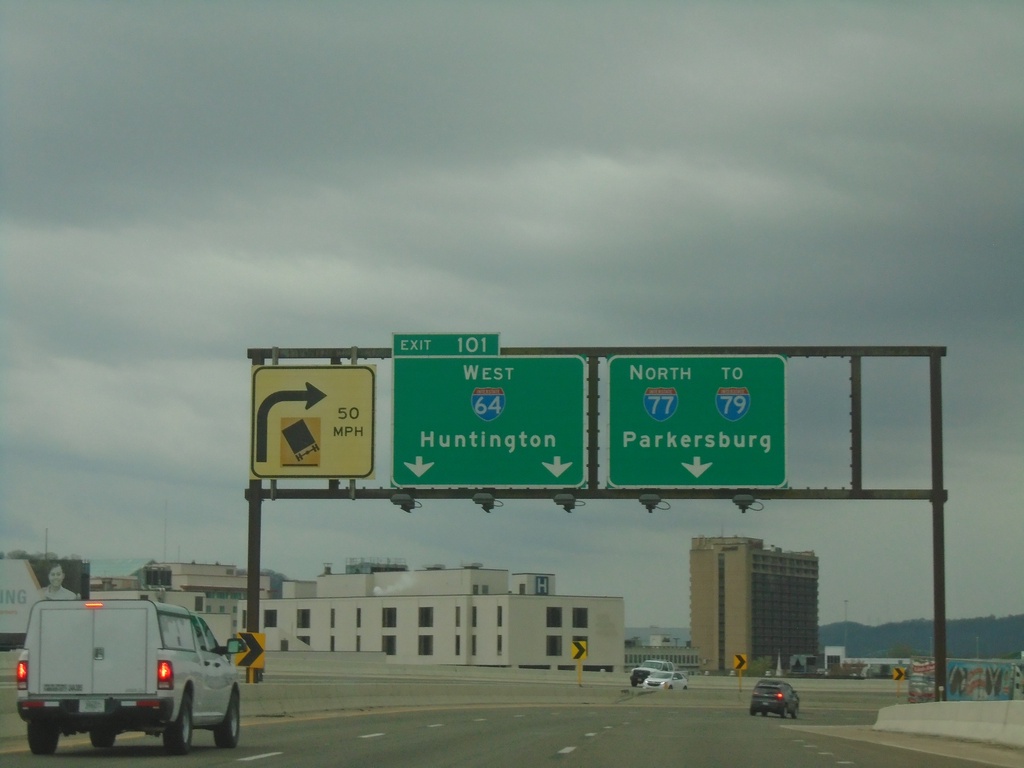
{"type": "Point", "coordinates": [182, 181]}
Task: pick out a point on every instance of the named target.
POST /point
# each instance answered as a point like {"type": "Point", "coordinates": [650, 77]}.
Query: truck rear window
{"type": "Point", "coordinates": [176, 632]}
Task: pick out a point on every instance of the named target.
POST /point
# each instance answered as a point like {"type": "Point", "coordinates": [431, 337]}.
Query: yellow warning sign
{"type": "Point", "coordinates": [313, 421]}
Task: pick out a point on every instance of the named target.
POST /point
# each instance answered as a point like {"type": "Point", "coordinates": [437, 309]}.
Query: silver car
{"type": "Point", "coordinates": [666, 681]}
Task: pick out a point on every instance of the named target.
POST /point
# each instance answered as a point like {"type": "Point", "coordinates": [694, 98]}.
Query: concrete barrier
{"type": "Point", "coordinates": [278, 700]}
{"type": "Point", "coordinates": [995, 722]}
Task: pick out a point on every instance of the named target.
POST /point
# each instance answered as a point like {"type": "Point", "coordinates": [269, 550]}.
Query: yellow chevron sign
{"type": "Point", "coordinates": [579, 649]}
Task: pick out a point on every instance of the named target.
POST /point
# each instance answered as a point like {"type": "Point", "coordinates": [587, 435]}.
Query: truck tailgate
{"type": "Point", "coordinates": [119, 663]}
{"type": "Point", "coordinates": [96, 651]}
{"type": "Point", "coordinates": [65, 643]}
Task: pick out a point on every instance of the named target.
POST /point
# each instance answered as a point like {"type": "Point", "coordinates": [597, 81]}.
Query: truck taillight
{"type": "Point", "coordinates": [164, 675]}
{"type": "Point", "coordinates": [21, 675]}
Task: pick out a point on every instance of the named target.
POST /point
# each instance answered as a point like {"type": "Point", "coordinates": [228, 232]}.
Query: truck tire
{"type": "Point", "coordinates": [225, 735]}
{"type": "Point", "coordinates": [102, 737]}
{"type": "Point", "coordinates": [178, 735]}
{"type": "Point", "coordinates": [43, 737]}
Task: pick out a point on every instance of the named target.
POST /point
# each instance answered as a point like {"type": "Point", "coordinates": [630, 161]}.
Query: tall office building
{"type": "Point", "coordinates": [746, 599]}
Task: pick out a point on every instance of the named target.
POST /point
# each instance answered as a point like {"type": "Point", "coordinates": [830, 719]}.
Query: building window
{"type": "Point", "coordinates": [554, 617]}
{"type": "Point", "coordinates": [499, 645]}
{"type": "Point", "coordinates": [458, 645]}
{"type": "Point", "coordinates": [426, 645]}
{"type": "Point", "coordinates": [270, 618]}
{"type": "Point", "coordinates": [458, 615]}
{"type": "Point", "coordinates": [426, 619]}
{"type": "Point", "coordinates": [554, 645]}
{"type": "Point", "coordinates": [389, 617]}
{"type": "Point", "coordinates": [473, 646]}
{"type": "Point", "coordinates": [359, 618]}
{"type": "Point", "coordinates": [473, 614]}
{"type": "Point", "coordinates": [359, 643]}
{"type": "Point", "coordinates": [499, 616]}
{"type": "Point", "coordinates": [389, 644]}
{"type": "Point", "coordinates": [579, 618]}
{"type": "Point", "coordinates": [303, 639]}
{"type": "Point", "coordinates": [332, 620]}
{"type": "Point", "coordinates": [332, 642]}
{"type": "Point", "coordinates": [302, 618]}
{"type": "Point", "coordinates": [199, 604]}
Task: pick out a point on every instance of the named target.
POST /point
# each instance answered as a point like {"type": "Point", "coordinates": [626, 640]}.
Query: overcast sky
{"type": "Point", "coordinates": [182, 181]}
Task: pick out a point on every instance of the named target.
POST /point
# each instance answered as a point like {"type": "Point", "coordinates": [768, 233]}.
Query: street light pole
{"type": "Point", "coordinates": [845, 629]}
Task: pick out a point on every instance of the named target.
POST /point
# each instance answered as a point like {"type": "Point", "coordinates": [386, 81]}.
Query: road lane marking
{"type": "Point", "coordinates": [259, 757]}
{"type": "Point", "coordinates": [566, 750]}
{"type": "Point", "coordinates": [436, 725]}
{"type": "Point", "coordinates": [370, 735]}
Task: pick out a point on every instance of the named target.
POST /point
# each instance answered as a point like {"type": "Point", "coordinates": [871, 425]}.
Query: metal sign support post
{"type": "Point", "coordinates": [938, 527]}
{"type": "Point", "coordinates": [252, 609]}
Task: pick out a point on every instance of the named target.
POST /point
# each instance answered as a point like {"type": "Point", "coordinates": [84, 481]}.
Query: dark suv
{"type": "Point", "coordinates": [774, 696]}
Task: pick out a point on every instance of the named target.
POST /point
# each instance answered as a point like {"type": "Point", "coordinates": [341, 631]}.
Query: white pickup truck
{"type": "Point", "coordinates": [640, 673]}
{"type": "Point", "coordinates": [109, 666]}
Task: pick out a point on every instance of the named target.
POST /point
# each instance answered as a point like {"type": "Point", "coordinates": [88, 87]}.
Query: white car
{"type": "Point", "coordinates": [666, 681]}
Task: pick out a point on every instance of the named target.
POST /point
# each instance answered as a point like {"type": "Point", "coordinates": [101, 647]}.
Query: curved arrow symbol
{"type": "Point", "coordinates": [310, 394]}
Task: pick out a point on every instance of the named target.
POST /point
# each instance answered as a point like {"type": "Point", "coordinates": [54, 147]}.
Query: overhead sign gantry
{"type": "Point", "coordinates": [476, 421]}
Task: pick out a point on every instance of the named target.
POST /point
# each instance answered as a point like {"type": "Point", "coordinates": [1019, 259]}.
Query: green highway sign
{"type": "Point", "coordinates": [697, 421]}
{"type": "Point", "coordinates": [489, 421]}
{"type": "Point", "coordinates": [444, 344]}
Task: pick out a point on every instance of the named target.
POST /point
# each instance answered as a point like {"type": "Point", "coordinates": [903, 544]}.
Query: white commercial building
{"type": "Point", "coordinates": [470, 615]}
{"type": "Point", "coordinates": [211, 589]}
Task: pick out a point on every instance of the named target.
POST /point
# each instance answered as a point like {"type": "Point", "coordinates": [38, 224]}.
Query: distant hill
{"type": "Point", "coordinates": [988, 637]}
{"type": "Point", "coordinates": [985, 637]}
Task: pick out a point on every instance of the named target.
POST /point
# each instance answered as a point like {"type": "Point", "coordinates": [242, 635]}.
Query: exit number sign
{"type": "Point", "coordinates": [444, 344]}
